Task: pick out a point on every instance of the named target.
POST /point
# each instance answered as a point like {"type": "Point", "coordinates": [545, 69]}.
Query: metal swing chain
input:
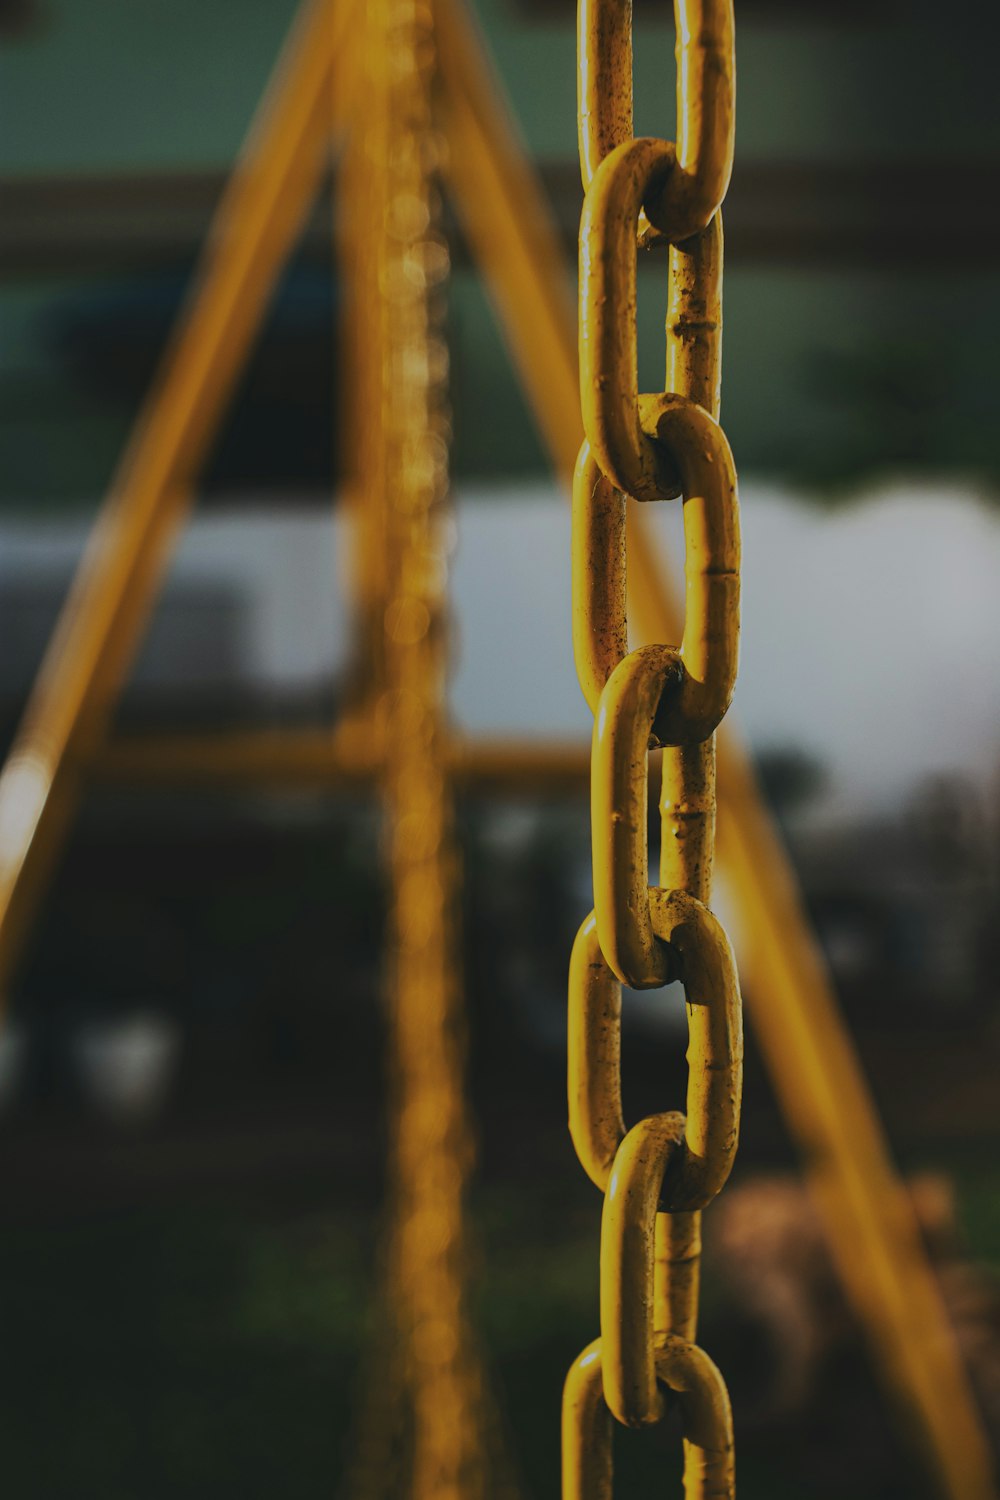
{"type": "Point", "coordinates": [427, 1422]}
{"type": "Point", "coordinates": [658, 1176]}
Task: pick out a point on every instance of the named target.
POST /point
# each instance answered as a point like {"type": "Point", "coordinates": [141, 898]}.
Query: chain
{"type": "Point", "coordinates": [659, 1175]}
{"type": "Point", "coordinates": [427, 1427]}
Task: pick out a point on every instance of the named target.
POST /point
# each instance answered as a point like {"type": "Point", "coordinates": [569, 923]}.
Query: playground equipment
{"type": "Point", "coordinates": [320, 97]}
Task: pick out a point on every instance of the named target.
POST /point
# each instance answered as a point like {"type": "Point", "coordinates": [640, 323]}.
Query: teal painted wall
{"type": "Point", "coordinates": [108, 85]}
{"type": "Point", "coordinates": [829, 374]}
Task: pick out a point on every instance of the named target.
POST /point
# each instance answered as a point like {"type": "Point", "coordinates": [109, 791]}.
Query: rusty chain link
{"type": "Point", "coordinates": [658, 1175]}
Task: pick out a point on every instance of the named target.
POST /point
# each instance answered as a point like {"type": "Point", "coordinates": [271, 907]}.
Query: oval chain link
{"type": "Point", "coordinates": [706, 75]}
{"type": "Point", "coordinates": [658, 1175]}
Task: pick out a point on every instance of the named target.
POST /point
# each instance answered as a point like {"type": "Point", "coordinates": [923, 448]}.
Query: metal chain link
{"type": "Point", "coordinates": [658, 1176]}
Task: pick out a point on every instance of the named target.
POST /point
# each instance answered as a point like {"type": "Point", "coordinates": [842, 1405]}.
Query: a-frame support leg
{"type": "Point", "coordinates": [115, 586]}
{"type": "Point", "coordinates": [813, 1066]}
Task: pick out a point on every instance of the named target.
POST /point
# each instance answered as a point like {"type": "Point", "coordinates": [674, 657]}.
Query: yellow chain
{"type": "Point", "coordinates": [658, 1176]}
{"type": "Point", "coordinates": [426, 1427]}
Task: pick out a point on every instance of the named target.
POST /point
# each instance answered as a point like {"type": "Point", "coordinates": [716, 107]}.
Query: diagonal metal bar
{"type": "Point", "coordinates": [112, 594]}
{"type": "Point", "coordinates": [869, 1221]}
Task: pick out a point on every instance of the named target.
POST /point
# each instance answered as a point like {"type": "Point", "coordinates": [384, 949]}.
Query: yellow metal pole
{"type": "Point", "coordinates": [348, 757]}
{"type": "Point", "coordinates": [112, 594]}
{"type": "Point", "coordinates": [869, 1221]}
{"type": "Point", "coordinates": [509, 228]}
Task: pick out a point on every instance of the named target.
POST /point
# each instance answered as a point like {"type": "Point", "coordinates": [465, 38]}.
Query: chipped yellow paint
{"type": "Point", "coordinates": [659, 1175]}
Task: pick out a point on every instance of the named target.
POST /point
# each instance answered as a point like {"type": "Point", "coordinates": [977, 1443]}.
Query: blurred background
{"type": "Point", "coordinates": [191, 1132]}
